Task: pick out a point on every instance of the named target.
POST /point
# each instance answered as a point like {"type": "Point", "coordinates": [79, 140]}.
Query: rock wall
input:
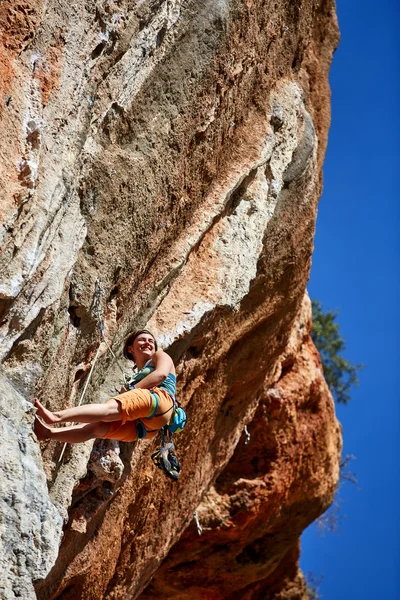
{"type": "Point", "coordinates": [30, 525]}
{"type": "Point", "coordinates": [174, 150]}
{"type": "Point", "coordinates": [275, 484]}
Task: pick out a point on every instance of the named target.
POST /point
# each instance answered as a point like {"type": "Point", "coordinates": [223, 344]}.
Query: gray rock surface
{"type": "Point", "coordinates": [30, 525]}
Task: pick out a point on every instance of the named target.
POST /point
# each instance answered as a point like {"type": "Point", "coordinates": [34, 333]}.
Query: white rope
{"type": "Point", "coordinates": [113, 355]}
{"type": "Point", "coordinates": [97, 308]}
{"type": "Point", "coordinates": [99, 292]}
{"type": "Point", "coordinates": [80, 402]}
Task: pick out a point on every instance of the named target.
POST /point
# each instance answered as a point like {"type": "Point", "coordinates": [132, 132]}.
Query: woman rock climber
{"type": "Point", "coordinates": [140, 412]}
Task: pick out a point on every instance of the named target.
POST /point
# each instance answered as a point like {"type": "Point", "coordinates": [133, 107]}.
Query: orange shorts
{"type": "Point", "coordinates": [137, 404]}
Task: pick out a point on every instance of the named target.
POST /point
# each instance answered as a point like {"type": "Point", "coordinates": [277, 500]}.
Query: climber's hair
{"type": "Point", "coordinates": [131, 337]}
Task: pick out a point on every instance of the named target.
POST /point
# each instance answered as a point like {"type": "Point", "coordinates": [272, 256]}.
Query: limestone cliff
{"type": "Point", "coordinates": [173, 149]}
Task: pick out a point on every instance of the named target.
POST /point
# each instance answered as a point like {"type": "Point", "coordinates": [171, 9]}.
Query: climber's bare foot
{"type": "Point", "coordinates": [47, 416]}
{"type": "Point", "coordinates": [42, 432]}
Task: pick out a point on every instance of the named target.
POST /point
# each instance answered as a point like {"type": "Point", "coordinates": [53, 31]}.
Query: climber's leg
{"type": "Point", "coordinates": [73, 434]}
{"type": "Point", "coordinates": [88, 413]}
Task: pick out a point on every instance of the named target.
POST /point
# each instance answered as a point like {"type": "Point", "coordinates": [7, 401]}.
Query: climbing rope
{"type": "Point", "coordinates": [164, 458]}
{"type": "Point", "coordinates": [99, 292]}
{"type": "Point", "coordinates": [79, 404]}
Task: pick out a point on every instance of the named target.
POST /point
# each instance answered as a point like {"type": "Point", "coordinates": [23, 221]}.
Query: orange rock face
{"type": "Point", "coordinates": [273, 487]}
{"type": "Point", "coordinates": [174, 150]}
{"type": "Point", "coordinates": [18, 23]}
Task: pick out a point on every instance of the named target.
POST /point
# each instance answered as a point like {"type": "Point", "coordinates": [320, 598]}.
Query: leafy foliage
{"type": "Point", "coordinates": [312, 593]}
{"type": "Point", "coordinates": [340, 374]}
{"type": "Point", "coordinates": [331, 519]}
{"type": "Point", "coordinates": [312, 587]}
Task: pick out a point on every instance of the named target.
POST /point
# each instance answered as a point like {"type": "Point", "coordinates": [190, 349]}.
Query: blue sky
{"type": "Point", "coordinates": [356, 270]}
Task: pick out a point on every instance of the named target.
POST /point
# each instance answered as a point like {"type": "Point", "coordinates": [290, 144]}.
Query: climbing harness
{"type": "Point", "coordinates": [178, 417]}
{"type": "Point", "coordinates": [196, 518]}
{"type": "Point", "coordinates": [141, 430]}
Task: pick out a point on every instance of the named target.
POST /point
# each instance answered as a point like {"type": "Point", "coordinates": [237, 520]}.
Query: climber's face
{"type": "Point", "coordinates": [143, 346]}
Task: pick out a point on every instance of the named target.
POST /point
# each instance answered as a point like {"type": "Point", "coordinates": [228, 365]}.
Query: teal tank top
{"type": "Point", "coordinates": [169, 384]}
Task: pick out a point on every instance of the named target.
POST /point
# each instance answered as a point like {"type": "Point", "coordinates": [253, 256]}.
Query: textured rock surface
{"type": "Point", "coordinates": [272, 489]}
{"type": "Point", "coordinates": [30, 525]}
{"type": "Point", "coordinates": [174, 149]}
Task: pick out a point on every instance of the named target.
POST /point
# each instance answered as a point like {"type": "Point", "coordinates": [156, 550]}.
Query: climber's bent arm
{"type": "Point", "coordinates": [163, 366]}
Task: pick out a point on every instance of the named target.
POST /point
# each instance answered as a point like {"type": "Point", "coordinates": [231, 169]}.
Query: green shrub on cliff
{"type": "Point", "coordinates": [312, 587]}
{"type": "Point", "coordinates": [340, 374]}
{"type": "Point", "coordinates": [312, 593]}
